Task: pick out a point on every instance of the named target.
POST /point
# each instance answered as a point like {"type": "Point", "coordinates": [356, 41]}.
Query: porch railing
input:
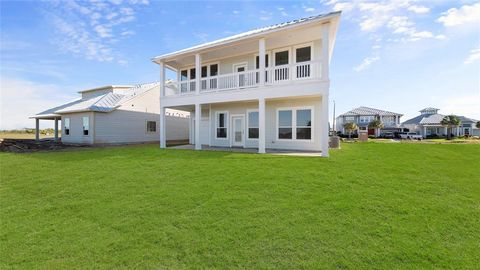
{"type": "Point", "coordinates": [251, 78]}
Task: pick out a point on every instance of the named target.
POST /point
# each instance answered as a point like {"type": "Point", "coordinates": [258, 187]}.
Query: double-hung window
{"type": "Point", "coordinates": [66, 126]}
{"type": "Point", "coordinates": [252, 125]}
{"type": "Point", "coordinates": [221, 125]}
{"type": "Point", "coordinates": [285, 124]}
{"type": "Point", "coordinates": [295, 124]}
{"type": "Point", "coordinates": [303, 54]}
{"type": "Point", "coordinates": [86, 125]}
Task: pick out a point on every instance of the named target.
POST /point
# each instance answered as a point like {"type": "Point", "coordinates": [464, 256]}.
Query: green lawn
{"type": "Point", "coordinates": [369, 206]}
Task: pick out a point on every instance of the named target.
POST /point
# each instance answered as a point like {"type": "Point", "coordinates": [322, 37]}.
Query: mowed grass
{"type": "Point", "coordinates": [369, 206]}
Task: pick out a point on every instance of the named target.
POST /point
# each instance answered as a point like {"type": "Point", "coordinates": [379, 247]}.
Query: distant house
{"type": "Point", "coordinates": [362, 116]}
{"type": "Point", "coordinates": [115, 114]}
{"type": "Point", "coordinates": [429, 123]}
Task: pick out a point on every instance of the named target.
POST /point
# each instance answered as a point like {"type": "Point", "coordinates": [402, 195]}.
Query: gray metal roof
{"type": "Point", "coordinates": [433, 119]}
{"type": "Point", "coordinates": [369, 111]}
{"type": "Point", "coordinates": [102, 103]}
{"type": "Point", "coordinates": [250, 33]}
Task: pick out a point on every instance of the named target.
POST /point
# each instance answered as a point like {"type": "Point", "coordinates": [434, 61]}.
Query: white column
{"type": "Point", "coordinates": [56, 129]}
{"type": "Point", "coordinates": [162, 79]}
{"type": "Point", "coordinates": [424, 132]}
{"type": "Point", "coordinates": [198, 72]}
{"type": "Point", "coordinates": [325, 51]}
{"type": "Point", "coordinates": [261, 125]}
{"type": "Point", "coordinates": [198, 114]}
{"type": "Point", "coordinates": [261, 62]}
{"type": "Point", "coordinates": [445, 131]}
{"type": "Point", "coordinates": [162, 128]}
{"type": "Point", "coordinates": [324, 126]}
{"type": "Point", "coordinates": [37, 129]}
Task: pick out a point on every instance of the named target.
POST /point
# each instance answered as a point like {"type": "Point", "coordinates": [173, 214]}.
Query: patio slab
{"type": "Point", "coordinates": [297, 153]}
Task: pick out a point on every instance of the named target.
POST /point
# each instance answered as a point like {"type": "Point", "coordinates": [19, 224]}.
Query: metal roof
{"type": "Point", "coordinates": [369, 111]}
{"type": "Point", "coordinates": [433, 119]}
{"type": "Point", "coordinates": [247, 34]}
{"type": "Point", "coordinates": [101, 103]}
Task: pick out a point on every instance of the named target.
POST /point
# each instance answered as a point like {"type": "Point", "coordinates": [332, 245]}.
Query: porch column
{"type": "Point", "coordinates": [261, 125]}
{"type": "Point", "coordinates": [37, 129]}
{"type": "Point", "coordinates": [162, 131]}
{"type": "Point", "coordinates": [198, 72]}
{"type": "Point", "coordinates": [162, 79]}
{"type": "Point", "coordinates": [324, 126]}
{"type": "Point", "coordinates": [445, 131]}
{"type": "Point", "coordinates": [325, 51]}
{"type": "Point", "coordinates": [56, 129]}
{"type": "Point", "coordinates": [424, 132]}
{"type": "Point", "coordinates": [261, 61]}
{"type": "Point", "coordinates": [198, 114]}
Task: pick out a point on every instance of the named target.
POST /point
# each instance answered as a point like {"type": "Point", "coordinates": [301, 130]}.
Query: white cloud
{"type": "Point", "coordinates": [21, 99]}
{"type": "Point", "coordinates": [343, 6]}
{"type": "Point", "coordinates": [463, 105]}
{"type": "Point", "coordinates": [309, 9]}
{"type": "Point", "coordinates": [285, 14]}
{"type": "Point", "coordinates": [90, 29]}
{"type": "Point", "coordinates": [366, 63]}
{"type": "Point", "coordinates": [236, 12]}
{"type": "Point", "coordinates": [402, 25]}
{"type": "Point", "coordinates": [419, 9]}
{"type": "Point", "coordinates": [473, 56]}
{"type": "Point", "coordinates": [464, 15]}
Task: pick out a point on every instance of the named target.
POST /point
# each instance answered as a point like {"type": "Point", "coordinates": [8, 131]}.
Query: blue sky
{"type": "Point", "coordinates": [396, 55]}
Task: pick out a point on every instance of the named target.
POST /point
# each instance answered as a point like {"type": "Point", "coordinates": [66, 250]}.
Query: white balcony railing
{"type": "Point", "coordinates": [251, 78]}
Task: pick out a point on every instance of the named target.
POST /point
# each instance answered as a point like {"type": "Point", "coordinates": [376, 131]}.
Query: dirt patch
{"type": "Point", "coordinates": [28, 145]}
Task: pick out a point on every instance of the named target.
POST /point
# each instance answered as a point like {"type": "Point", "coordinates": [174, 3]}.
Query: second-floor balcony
{"type": "Point", "coordinates": [282, 74]}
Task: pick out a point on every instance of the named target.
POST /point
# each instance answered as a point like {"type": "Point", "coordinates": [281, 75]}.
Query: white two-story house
{"type": "Point", "coordinates": [267, 88]}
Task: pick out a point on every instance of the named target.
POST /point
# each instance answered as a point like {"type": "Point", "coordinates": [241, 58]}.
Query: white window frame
{"type": "Point", "coordinates": [233, 135]}
{"type": "Point", "coordinates": [289, 49]}
{"type": "Point", "coordinates": [227, 125]}
{"type": "Point", "coordinates": [294, 123]}
{"type": "Point", "coordinates": [248, 125]}
{"type": "Point", "coordinates": [69, 124]}
{"type": "Point", "coordinates": [269, 53]}
{"type": "Point", "coordinates": [370, 118]}
{"type": "Point", "coordinates": [308, 44]}
{"type": "Point", "coordinates": [83, 131]}
{"type": "Point", "coordinates": [146, 127]}
{"type": "Point", "coordinates": [241, 64]}
{"type": "Point", "coordinates": [347, 119]}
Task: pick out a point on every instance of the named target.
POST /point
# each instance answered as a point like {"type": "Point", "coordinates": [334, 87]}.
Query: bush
{"type": "Point", "coordinates": [433, 136]}
{"type": "Point", "coordinates": [371, 136]}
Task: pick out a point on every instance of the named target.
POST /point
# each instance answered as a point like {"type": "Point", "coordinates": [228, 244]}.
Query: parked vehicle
{"type": "Point", "coordinates": [388, 135]}
{"type": "Point", "coordinates": [411, 136]}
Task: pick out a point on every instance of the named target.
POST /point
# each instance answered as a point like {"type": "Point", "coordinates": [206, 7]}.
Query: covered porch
{"type": "Point", "coordinates": [50, 117]}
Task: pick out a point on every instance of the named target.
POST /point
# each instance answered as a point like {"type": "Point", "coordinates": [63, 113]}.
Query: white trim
{"type": "Point", "coordinates": [289, 49]}
{"type": "Point", "coordinates": [232, 116]}
{"type": "Point", "coordinates": [83, 131]}
{"type": "Point", "coordinates": [226, 118]}
{"type": "Point", "coordinates": [69, 126]}
{"type": "Point", "coordinates": [241, 64]}
{"type": "Point", "coordinates": [247, 124]}
{"type": "Point", "coordinates": [294, 51]}
{"type": "Point", "coordinates": [294, 123]}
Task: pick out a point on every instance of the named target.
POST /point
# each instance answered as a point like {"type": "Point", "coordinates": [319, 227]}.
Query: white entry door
{"type": "Point", "coordinates": [240, 68]}
{"type": "Point", "coordinates": [238, 130]}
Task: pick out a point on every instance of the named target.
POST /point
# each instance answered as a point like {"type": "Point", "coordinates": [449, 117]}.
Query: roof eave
{"type": "Point", "coordinates": [200, 48]}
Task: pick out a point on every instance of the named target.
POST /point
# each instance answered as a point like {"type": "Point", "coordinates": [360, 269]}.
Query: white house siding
{"type": "Point", "coordinates": [128, 123]}
{"type": "Point", "coordinates": [76, 128]}
{"type": "Point", "coordinates": [271, 123]}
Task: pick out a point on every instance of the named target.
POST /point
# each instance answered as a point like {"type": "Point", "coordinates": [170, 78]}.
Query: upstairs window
{"type": "Point", "coordinates": [86, 125]}
{"type": "Point", "coordinates": [257, 61]}
{"type": "Point", "coordinates": [303, 54]}
{"type": "Point", "coordinates": [151, 126]}
{"type": "Point", "coordinates": [66, 126]}
{"type": "Point", "coordinates": [214, 70]}
{"type": "Point", "coordinates": [281, 58]}
{"type": "Point", "coordinates": [184, 75]}
{"type": "Point", "coordinates": [192, 73]}
{"type": "Point", "coordinates": [349, 118]}
{"type": "Point", "coordinates": [221, 127]}
{"type": "Point", "coordinates": [252, 125]}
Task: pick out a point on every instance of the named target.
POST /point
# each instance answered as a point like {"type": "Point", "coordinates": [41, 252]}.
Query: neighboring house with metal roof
{"type": "Point", "coordinates": [429, 123]}
{"type": "Point", "coordinates": [266, 88]}
{"type": "Point", "coordinates": [362, 116]}
{"type": "Point", "coordinates": [114, 114]}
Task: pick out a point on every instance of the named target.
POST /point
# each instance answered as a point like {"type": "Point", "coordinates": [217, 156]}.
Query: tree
{"type": "Point", "coordinates": [478, 124]}
{"type": "Point", "coordinates": [376, 125]}
{"type": "Point", "coordinates": [450, 121]}
{"type": "Point", "coordinates": [350, 127]}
